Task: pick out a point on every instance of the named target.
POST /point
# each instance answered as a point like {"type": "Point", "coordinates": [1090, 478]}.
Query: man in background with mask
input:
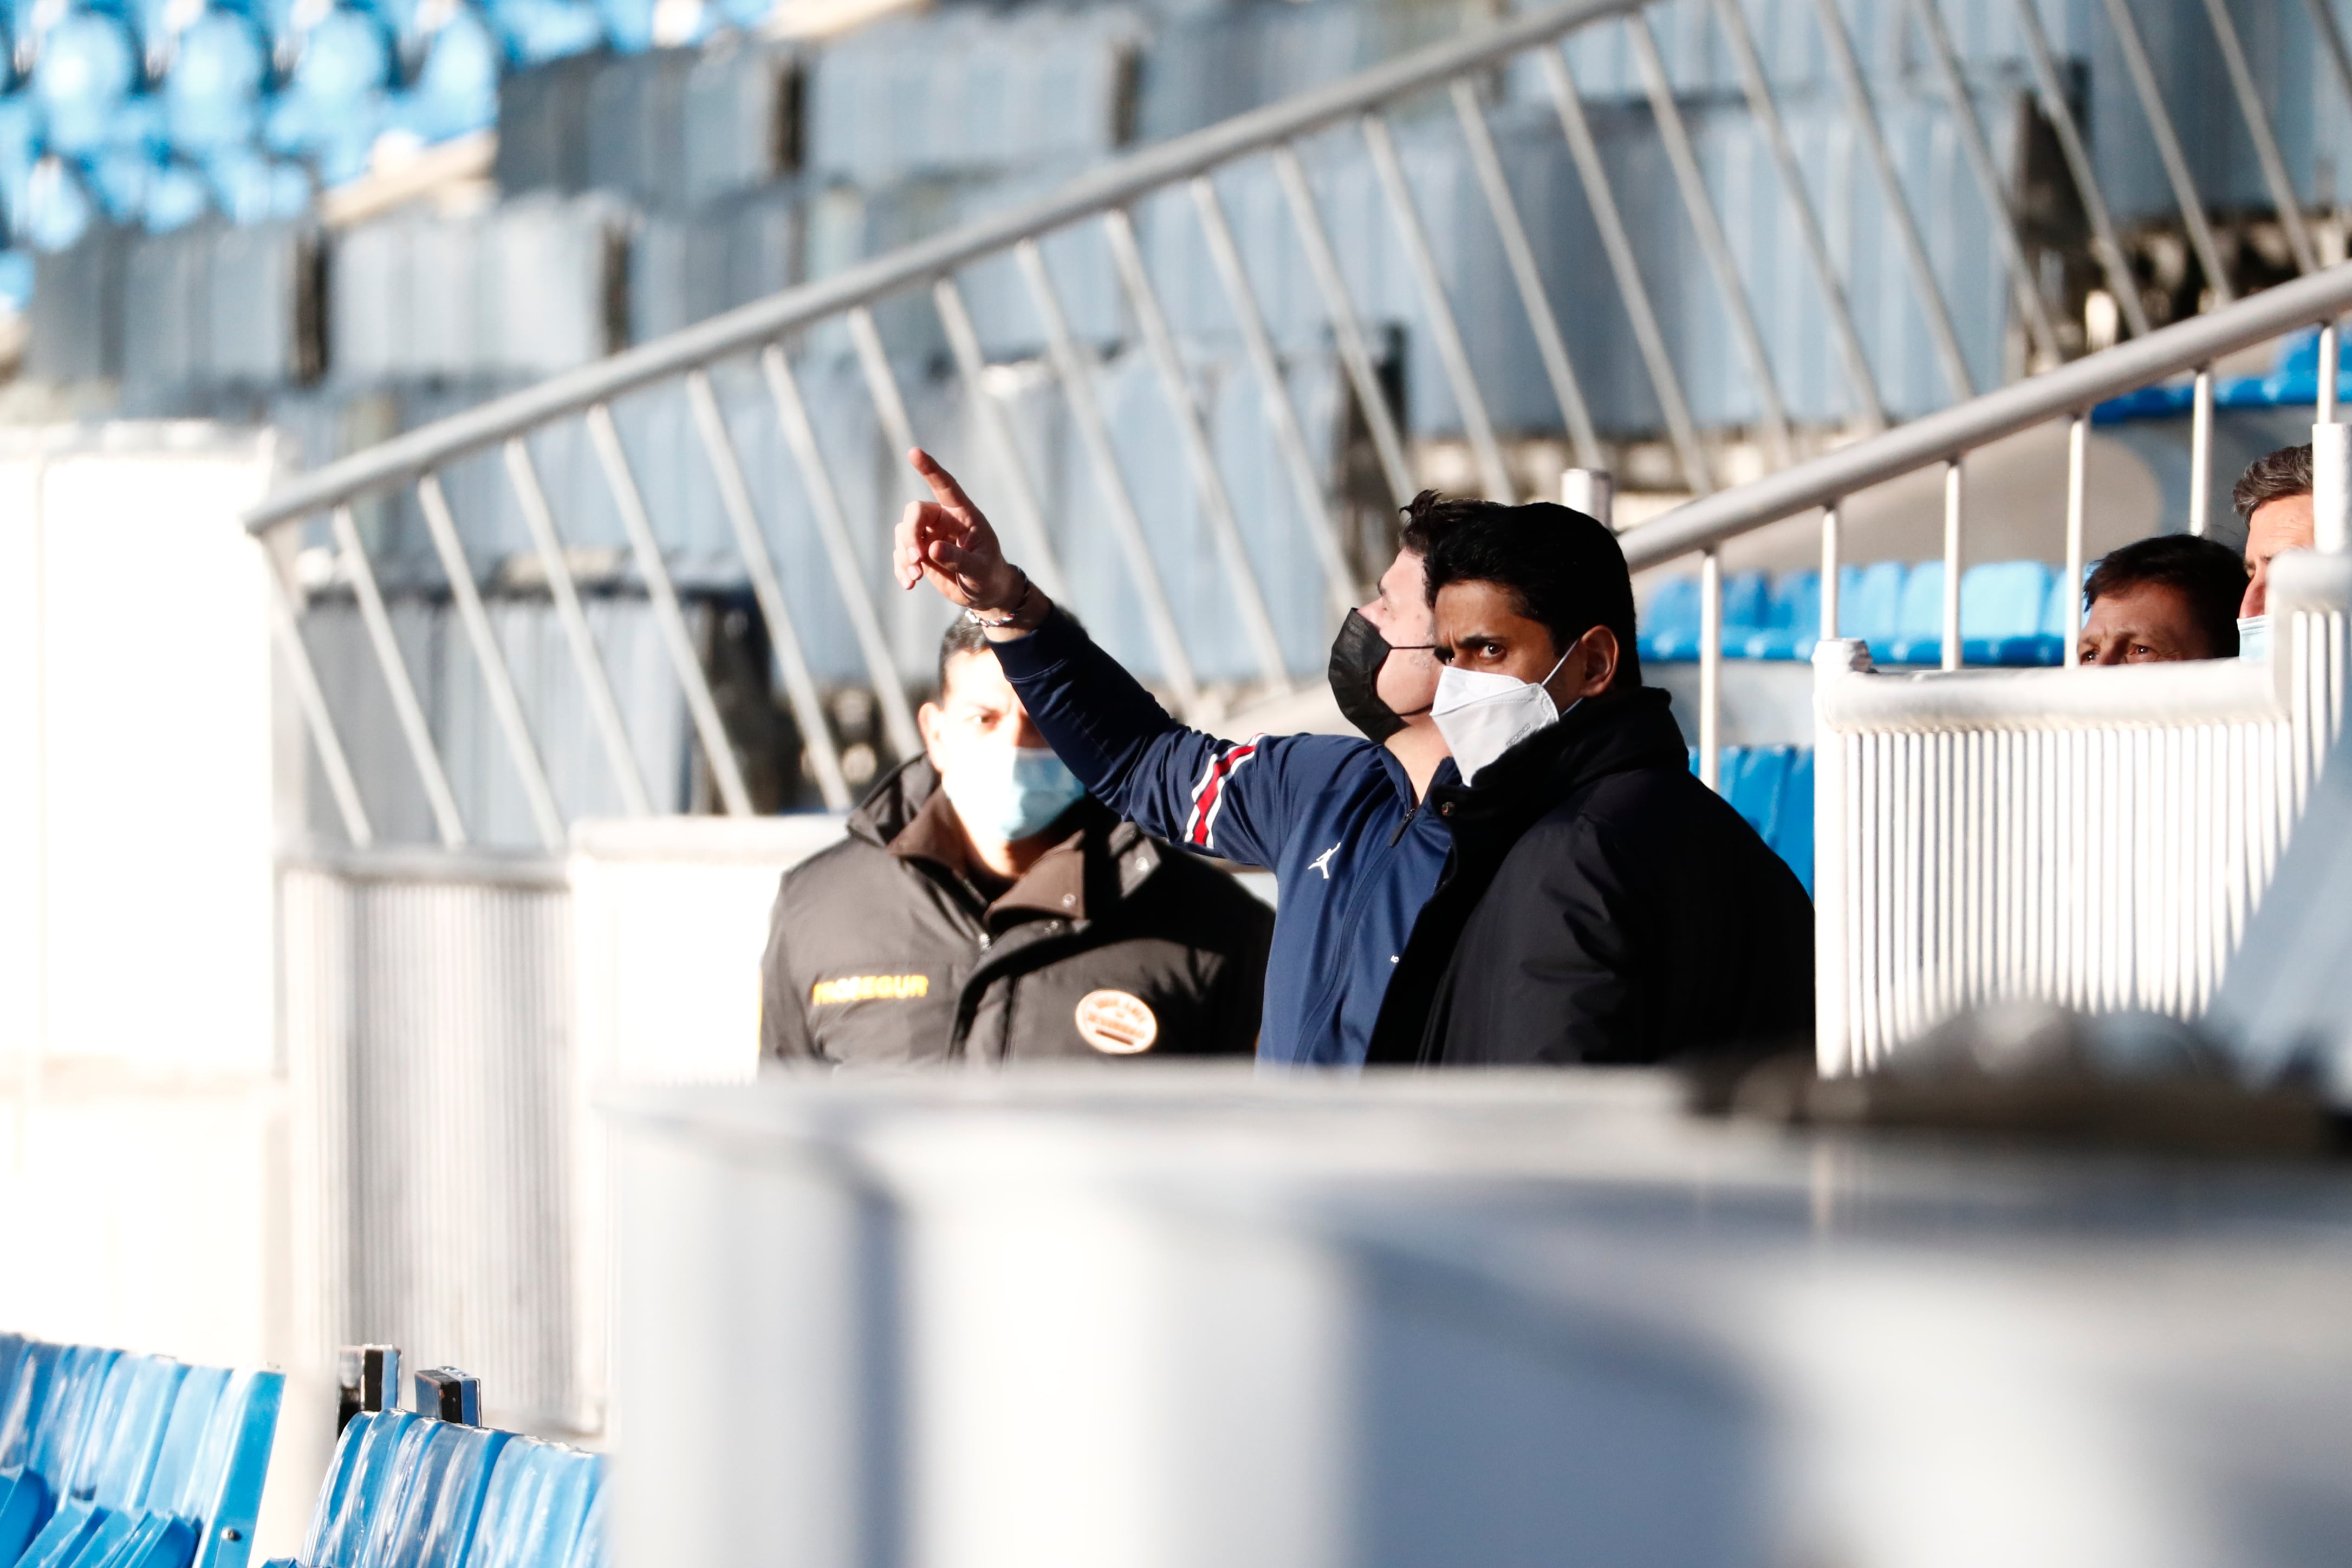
{"type": "Point", "coordinates": [983, 909]}
{"type": "Point", "coordinates": [1601, 905]}
{"type": "Point", "coordinates": [2273, 494]}
{"type": "Point", "coordinates": [1338, 819]}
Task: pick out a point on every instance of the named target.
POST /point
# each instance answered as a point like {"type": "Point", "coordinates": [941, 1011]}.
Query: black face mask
{"type": "Point", "coordinates": [1357, 654]}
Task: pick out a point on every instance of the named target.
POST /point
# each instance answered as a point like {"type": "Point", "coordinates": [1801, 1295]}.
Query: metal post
{"type": "Point", "coordinates": [2060, 113]}
{"type": "Point", "coordinates": [1274, 390]}
{"type": "Point", "coordinates": [1633, 292]}
{"type": "Point", "coordinates": [1979, 154]}
{"type": "Point", "coordinates": [1951, 649]}
{"type": "Point", "coordinates": [2329, 372]}
{"type": "Point", "coordinates": [1863, 112]}
{"type": "Point", "coordinates": [1208, 483]}
{"type": "Point", "coordinates": [882, 386]}
{"type": "Point", "coordinates": [316, 716]}
{"type": "Point", "coordinates": [2331, 489]}
{"type": "Point", "coordinates": [1445, 333]}
{"type": "Point", "coordinates": [2200, 454]}
{"type": "Point", "coordinates": [504, 704]}
{"type": "Point", "coordinates": [619, 754]}
{"type": "Point", "coordinates": [1526, 274]}
{"type": "Point", "coordinates": [759, 565]}
{"type": "Point", "coordinates": [1347, 331]}
{"type": "Point", "coordinates": [2168, 147]}
{"type": "Point", "coordinates": [1869, 404]}
{"type": "Point", "coordinates": [415, 733]}
{"type": "Point", "coordinates": [1711, 244]}
{"type": "Point", "coordinates": [1039, 558]}
{"type": "Point", "coordinates": [1830, 566]}
{"type": "Point", "coordinates": [848, 572]}
{"type": "Point", "coordinates": [1075, 371]}
{"type": "Point", "coordinates": [1710, 669]}
{"type": "Point", "coordinates": [2266, 147]}
{"type": "Point", "coordinates": [1592, 491]}
{"type": "Point", "coordinates": [701, 707]}
{"type": "Point", "coordinates": [2078, 465]}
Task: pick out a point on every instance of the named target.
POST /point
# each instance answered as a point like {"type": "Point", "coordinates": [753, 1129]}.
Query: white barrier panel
{"type": "Point", "coordinates": [670, 922]}
{"type": "Point", "coordinates": [1194, 1319]}
{"type": "Point", "coordinates": [146, 1181]}
{"type": "Point", "coordinates": [2092, 837]}
{"type": "Point", "coordinates": [135, 679]}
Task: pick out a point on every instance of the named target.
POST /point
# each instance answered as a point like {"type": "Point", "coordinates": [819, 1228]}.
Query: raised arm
{"type": "Point", "coordinates": [1215, 796]}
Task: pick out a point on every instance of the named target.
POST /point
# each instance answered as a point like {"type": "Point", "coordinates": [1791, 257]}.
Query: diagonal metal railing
{"type": "Point", "coordinates": [1462, 70]}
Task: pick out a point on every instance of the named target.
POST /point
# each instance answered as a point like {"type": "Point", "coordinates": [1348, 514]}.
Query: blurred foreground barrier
{"type": "Point", "coordinates": [1496, 1319]}
{"type": "Point", "coordinates": [434, 1488]}
{"type": "Point", "coordinates": [109, 1460]}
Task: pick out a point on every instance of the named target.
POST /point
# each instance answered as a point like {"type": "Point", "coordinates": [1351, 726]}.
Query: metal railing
{"type": "Point", "coordinates": [1944, 440]}
{"type": "Point", "coordinates": [416, 461]}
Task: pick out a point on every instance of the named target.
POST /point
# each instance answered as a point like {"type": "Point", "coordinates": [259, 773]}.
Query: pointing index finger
{"type": "Point", "coordinates": [942, 483]}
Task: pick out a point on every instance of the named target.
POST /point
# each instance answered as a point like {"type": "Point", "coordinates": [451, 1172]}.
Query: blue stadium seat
{"type": "Point", "coordinates": [434, 1494]}
{"type": "Point", "coordinates": [84, 76]}
{"type": "Point", "coordinates": [1918, 637]}
{"type": "Point", "coordinates": [1791, 836]}
{"type": "Point", "coordinates": [1668, 626]}
{"type": "Point", "coordinates": [1747, 606]}
{"type": "Point", "coordinates": [49, 1411]}
{"type": "Point", "coordinates": [1791, 621]}
{"type": "Point", "coordinates": [1771, 787]}
{"type": "Point", "coordinates": [1752, 779]}
{"type": "Point", "coordinates": [333, 105]}
{"type": "Point", "coordinates": [537, 31]}
{"type": "Point", "coordinates": [212, 97]}
{"type": "Point", "coordinates": [1868, 598]}
{"type": "Point", "coordinates": [539, 1509]}
{"type": "Point", "coordinates": [252, 189]}
{"type": "Point", "coordinates": [457, 90]}
{"type": "Point", "coordinates": [2003, 605]}
{"type": "Point", "coordinates": [116, 1461]}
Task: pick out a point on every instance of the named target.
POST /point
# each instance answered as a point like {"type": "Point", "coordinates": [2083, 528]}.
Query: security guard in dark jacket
{"type": "Point", "coordinates": [983, 909]}
{"type": "Point", "coordinates": [1600, 904]}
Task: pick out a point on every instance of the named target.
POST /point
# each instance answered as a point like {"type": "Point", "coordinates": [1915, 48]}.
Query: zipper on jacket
{"type": "Point", "coordinates": [1402, 823]}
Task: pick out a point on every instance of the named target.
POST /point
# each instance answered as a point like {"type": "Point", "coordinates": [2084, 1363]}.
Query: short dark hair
{"type": "Point", "coordinates": [2286, 472]}
{"type": "Point", "coordinates": [1565, 569]}
{"type": "Point", "coordinates": [964, 635]}
{"type": "Point", "coordinates": [1430, 517]}
{"type": "Point", "coordinates": [2207, 573]}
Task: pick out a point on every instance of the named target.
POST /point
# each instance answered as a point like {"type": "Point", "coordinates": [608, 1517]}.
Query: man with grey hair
{"type": "Point", "coordinates": [2274, 495]}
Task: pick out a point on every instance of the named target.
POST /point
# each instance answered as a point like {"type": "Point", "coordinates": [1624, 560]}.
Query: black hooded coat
{"type": "Point", "coordinates": [1601, 905]}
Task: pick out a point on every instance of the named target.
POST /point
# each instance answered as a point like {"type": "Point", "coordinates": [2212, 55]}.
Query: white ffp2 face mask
{"type": "Point", "coordinates": [1483, 715]}
{"type": "Point", "coordinates": [2255, 637]}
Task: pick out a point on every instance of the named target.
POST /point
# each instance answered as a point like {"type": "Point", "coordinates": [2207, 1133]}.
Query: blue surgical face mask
{"type": "Point", "coordinates": [1009, 792]}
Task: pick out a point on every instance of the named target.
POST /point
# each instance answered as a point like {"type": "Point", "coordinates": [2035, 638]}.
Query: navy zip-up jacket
{"type": "Point", "coordinates": [1333, 817]}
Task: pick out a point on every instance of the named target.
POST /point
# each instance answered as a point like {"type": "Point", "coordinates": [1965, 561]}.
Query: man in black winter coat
{"type": "Point", "coordinates": [1601, 905]}
{"type": "Point", "coordinates": [984, 909]}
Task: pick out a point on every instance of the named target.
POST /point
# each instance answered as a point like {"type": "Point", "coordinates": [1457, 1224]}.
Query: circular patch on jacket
{"type": "Point", "coordinates": [1116, 1022]}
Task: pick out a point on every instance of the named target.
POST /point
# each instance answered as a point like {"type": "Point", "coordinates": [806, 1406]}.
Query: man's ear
{"type": "Point", "coordinates": [1600, 662]}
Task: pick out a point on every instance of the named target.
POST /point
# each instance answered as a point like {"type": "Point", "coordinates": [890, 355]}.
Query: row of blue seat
{"type": "Point", "coordinates": [2293, 382]}
{"type": "Point", "coordinates": [109, 1460]}
{"type": "Point", "coordinates": [2012, 612]}
{"type": "Point", "coordinates": [1772, 787]}
{"type": "Point", "coordinates": [426, 1493]}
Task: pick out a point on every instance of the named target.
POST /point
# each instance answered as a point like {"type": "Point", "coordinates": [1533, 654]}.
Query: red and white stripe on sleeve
{"type": "Point", "coordinates": [1209, 794]}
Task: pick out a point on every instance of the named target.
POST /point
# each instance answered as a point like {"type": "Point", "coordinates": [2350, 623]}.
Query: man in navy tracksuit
{"type": "Point", "coordinates": [1339, 821]}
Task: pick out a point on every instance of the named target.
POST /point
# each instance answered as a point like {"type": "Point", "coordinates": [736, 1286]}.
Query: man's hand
{"type": "Point", "coordinates": [950, 542]}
